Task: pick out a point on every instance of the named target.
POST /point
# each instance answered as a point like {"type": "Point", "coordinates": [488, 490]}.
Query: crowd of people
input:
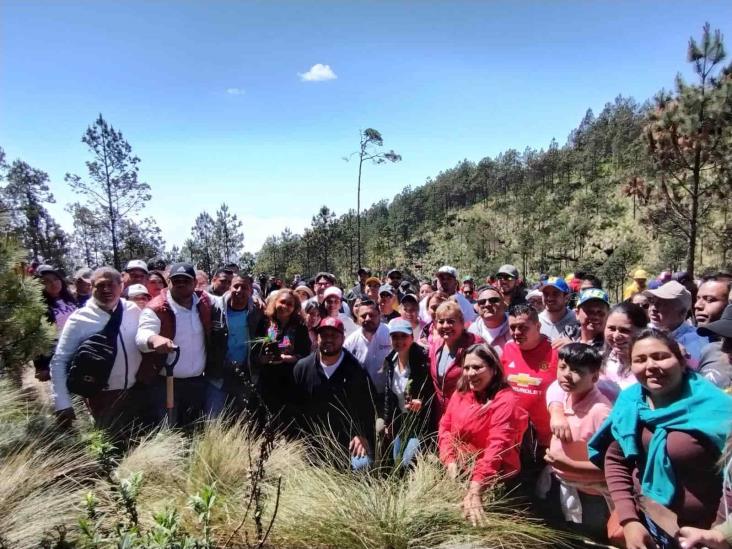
{"type": "Point", "coordinates": [608, 418]}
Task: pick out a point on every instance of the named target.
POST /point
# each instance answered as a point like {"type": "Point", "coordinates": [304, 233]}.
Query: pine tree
{"type": "Point", "coordinates": [113, 190]}
{"type": "Point", "coordinates": [690, 140]}
{"type": "Point", "coordinates": [24, 195]}
{"type": "Point", "coordinates": [229, 235]}
{"type": "Point", "coordinates": [24, 331]}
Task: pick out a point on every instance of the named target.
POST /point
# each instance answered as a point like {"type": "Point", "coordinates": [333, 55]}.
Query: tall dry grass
{"type": "Point", "coordinates": [44, 482]}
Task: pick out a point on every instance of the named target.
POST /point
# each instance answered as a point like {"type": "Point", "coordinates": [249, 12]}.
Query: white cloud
{"type": "Point", "coordinates": [318, 73]}
{"type": "Point", "coordinates": [235, 91]}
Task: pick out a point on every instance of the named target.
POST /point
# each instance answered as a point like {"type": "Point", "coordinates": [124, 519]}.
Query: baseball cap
{"type": "Point", "coordinates": [446, 269]}
{"type": "Point", "coordinates": [387, 289]}
{"type": "Point", "coordinates": [372, 280]}
{"type": "Point", "coordinates": [83, 274]}
{"type": "Point", "coordinates": [364, 270]}
{"type": "Point", "coordinates": [534, 293]}
{"type": "Point", "coordinates": [47, 269]}
{"type": "Point", "coordinates": [136, 264]}
{"type": "Point", "coordinates": [672, 290]}
{"type": "Point", "coordinates": [331, 322]}
{"type": "Point", "coordinates": [509, 270]}
{"type": "Point", "coordinates": [400, 326]}
{"type": "Point", "coordinates": [410, 297]}
{"type": "Point", "coordinates": [593, 294]}
{"type": "Point", "coordinates": [394, 272]}
{"type": "Point", "coordinates": [333, 291]}
{"type": "Point", "coordinates": [181, 269]}
{"type": "Point", "coordinates": [558, 283]}
{"type": "Point", "coordinates": [721, 327]}
{"type": "Point", "coordinates": [137, 289]}
{"type": "Point", "coordinates": [640, 273]}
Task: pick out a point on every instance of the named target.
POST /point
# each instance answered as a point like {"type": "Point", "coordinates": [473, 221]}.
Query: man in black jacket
{"type": "Point", "coordinates": [332, 392]}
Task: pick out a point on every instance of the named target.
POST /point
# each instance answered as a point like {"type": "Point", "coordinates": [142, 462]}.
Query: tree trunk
{"type": "Point", "coordinates": [358, 210]}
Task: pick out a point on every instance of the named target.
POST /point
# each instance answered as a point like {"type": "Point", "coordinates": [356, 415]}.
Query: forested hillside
{"type": "Point", "coordinates": [633, 185]}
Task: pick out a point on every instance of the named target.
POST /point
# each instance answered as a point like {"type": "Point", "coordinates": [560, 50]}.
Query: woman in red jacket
{"type": "Point", "coordinates": [483, 419]}
{"type": "Point", "coordinates": [445, 351]}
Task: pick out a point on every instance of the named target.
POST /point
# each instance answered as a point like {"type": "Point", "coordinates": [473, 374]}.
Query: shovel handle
{"type": "Point", "coordinates": [169, 398]}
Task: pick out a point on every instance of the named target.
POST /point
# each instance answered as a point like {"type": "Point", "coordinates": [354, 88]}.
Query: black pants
{"type": "Point", "coordinates": [189, 399]}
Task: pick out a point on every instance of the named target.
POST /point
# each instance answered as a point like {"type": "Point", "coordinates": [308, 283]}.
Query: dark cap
{"type": "Point", "coordinates": [47, 269]}
{"type": "Point", "coordinates": [364, 271]}
{"type": "Point", "coordinates": [182, 269]}
{"type": "Point", "coordinates": [387, 289]}
{"type": "Point", "coordinates": [410, 297]}
{"type": "Point", "coordinates": [331, 322]}
{"type": "Point", "coordinates": [394, 273]}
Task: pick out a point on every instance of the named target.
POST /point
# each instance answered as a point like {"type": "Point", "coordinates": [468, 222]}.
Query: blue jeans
{"type": "Point", "coordinates": [215, 402]}
{"type": "Point", "coordinates": [361, 463]}
{"type": "Point", "coordinates": [408, 453]}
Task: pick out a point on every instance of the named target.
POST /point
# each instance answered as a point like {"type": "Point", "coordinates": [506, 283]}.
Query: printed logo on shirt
{"type": "Point", "coordinates": [544, 366]}
{"type": "Point", "coordinates": [512, 364]}
{"type": "Point", "coordinates": [524, 380]}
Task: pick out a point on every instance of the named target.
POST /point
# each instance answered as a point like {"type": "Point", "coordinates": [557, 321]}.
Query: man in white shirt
{"type": "Point", "coordinates": [556, 316]}
{"type": "Point", "coordinates": [114, 407]}
{"type": "Point", "coordinates": [492, 324]}
{"type": "Point", "coordinates": [370, 344]}
{"type": "Point", "coordinates": [180, 318]}
{"type": "Point", "coordinates": [447, 281]}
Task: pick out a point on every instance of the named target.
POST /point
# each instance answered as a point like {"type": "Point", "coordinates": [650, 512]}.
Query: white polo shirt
{"type": "Point", "coordinates": [189, 336]}
{"type": "Point", "coordinates": [371, 354]}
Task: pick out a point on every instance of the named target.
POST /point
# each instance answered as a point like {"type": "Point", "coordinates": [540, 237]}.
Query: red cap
{"type": "Point", "coordinates": [331, 322]}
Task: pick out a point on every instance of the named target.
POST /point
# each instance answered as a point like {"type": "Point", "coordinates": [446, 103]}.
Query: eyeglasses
{"type": "Point", "coordinates": [502, 276]}
{"type": "Point", "coordinates": [645, 305]}
{"type": "Point", "coordinates": [491, 300]}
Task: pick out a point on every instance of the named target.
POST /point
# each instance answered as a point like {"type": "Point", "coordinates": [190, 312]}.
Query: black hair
{"type": "Point", "coordinates": [524, 309]}
{"type": "Point", "coordinates": [488, 355]}
{"type": "Point", "coordinates": [480, 289]}
{"type": "Point", "coordinates": [663, 337]}
{"type": "Point", "coordinates": [719, 276]}
{"type": "Point", "coordinates": [592, 279]}
{"type": "Point", "coordinates": [581, 355]}
{"type": "Point", "coordinates": [223, 270]}
{"type": "Point", "coordinates": [328, 276]}
{"type": "Point", "coordinates": [635, 313]}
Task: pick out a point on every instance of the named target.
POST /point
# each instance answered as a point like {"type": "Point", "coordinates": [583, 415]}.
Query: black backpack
{"type": "Point", "coordinates": [93, 360]}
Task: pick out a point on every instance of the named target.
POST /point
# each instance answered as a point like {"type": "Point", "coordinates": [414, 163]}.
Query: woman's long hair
{"type": "Point", "coordinates": [638, 320]}
{"type": "Point", "coordinates": [271, 313]}
{"type": "Point", "coordinates": [65, 294]}
{"type": "Point", "coordinates": [487, 354]}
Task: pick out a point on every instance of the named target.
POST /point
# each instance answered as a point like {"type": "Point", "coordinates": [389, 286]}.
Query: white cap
{"type": "Point", "coordinates": [136, 264]}
{"type": "Point", "coordinates": [446, 269]}
{"type": "Point", "coordinates": [672, 290]}
{"type": "Point", "coordinates": [135, 290]}
{"type": "Point", "coordinates": [534, 293]}
{"type": "Point", "coordinates": [332, 290]}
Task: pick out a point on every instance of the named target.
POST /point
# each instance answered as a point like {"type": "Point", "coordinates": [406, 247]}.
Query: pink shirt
{"type": "Point", "coordinates": [584, 418]}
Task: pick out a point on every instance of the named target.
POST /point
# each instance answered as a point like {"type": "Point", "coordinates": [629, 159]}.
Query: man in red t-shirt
{"type": "Point", "coordinates": [530, 365]}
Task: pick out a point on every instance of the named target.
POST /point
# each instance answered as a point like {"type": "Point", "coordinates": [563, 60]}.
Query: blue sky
{"type": "Point", "coordinates": [211, 98]}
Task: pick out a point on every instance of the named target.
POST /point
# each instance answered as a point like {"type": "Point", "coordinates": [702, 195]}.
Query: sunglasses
{"type": "Point", "coordinates": [644, 305]}
{"type": "Point", "coordinates": [491, 300]}
{"type": "Point", "coordinates": [504, 277]}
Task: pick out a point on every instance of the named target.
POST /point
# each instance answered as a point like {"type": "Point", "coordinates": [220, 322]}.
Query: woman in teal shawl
{"type": "Point", "coordinates": [662, 440]}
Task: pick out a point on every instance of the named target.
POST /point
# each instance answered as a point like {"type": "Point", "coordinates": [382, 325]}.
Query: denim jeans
{"type": "Point", "coordinates": [361, 463]}
{"type": "Point", "coordinates": [408, 454]}
{"type": "Point", "coordinates": [215, 402]}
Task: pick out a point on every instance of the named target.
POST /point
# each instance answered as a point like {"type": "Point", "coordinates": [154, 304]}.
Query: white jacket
{"type": "Point", "coordinates": [82, 324]}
